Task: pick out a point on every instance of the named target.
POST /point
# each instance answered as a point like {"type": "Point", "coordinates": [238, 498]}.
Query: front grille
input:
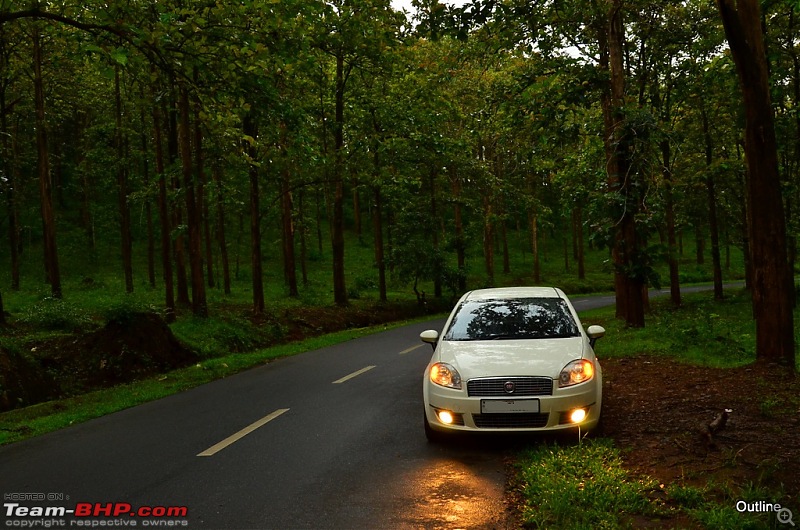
{"type": "Point", "coordinates": [523, 386]}
{"type": "Point", "coordinates": [511, 420]}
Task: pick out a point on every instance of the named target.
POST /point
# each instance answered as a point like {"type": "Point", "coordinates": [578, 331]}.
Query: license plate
{"type": "Point", "coordinates": [489, 406]}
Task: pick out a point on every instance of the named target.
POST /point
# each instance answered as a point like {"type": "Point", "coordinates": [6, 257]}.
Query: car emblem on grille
{"type": "Point", "coordinates": [509, 387]}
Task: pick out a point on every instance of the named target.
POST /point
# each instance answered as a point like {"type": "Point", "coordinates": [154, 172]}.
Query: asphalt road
{"type": "Point", "coordinates": [330, 438]}
{"type": "Point", "coordinates": [339, 452]}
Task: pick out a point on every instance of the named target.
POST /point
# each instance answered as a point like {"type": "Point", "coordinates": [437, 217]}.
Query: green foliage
{"type": "Point", "coordinates": [124, 311]}
{"type": "Point", "coordinates": [53, 314]}
{"type": "Point", "coordinates": [213, 336]}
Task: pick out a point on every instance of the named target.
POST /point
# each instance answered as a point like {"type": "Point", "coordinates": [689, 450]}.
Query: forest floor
{"type": "Point", "coordinates": [657, 411]}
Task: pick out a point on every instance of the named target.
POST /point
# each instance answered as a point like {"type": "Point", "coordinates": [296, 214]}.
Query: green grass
{"type": "Point", "coordinates": [704, 332]}
{"type": "Point", "coordinates": [586, 486]}
{"type": "Point", "coordinates": [581, 487]}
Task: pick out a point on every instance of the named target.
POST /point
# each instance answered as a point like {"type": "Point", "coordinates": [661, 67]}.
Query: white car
{"type": "Point", "coordinates": [509, 360]}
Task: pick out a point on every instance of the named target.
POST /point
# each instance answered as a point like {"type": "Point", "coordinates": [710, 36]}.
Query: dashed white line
{"type": "Point", "coordinates": [409, 350]}
{"type": "Point", "coordinates": [354, 374]}
{"type": "Point", "coordinates": [214, 449]}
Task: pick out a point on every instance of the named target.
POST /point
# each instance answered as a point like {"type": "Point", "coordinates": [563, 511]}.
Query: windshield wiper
{"type": "Point", "coordinates": [501, 336]}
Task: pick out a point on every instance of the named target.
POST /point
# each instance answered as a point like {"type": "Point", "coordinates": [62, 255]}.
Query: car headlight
{"type": "Point", "coordinates": [578, 371]}
{"type": "Point", "coordinates": [445, 375]}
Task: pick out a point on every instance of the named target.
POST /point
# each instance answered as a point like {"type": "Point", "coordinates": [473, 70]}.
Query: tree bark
{"type": "Point", "coordinates": [628, 281]}
{"type": "Point", "coordinates": [461, 259]}
{"type": "Point", "coordinates": [122, 189]}
{"type": "Point", "coordinates": [199, 303]}
{"type": "Point", "coordinates": [251, 131]}
{"type": "Point", "coordinates": [580, 258]}
{"type": "Point", "coordinates": [337, 228]}
{"type": "Point", "coordinates": [434, 210]}
{"type": "Point", "coordinates": [151, 246]}
{"type": "Point", "coordinates": [223, 245]}
{"type": "Point", "coordinates": [164, 218]}
{"type": "Point", "coordinates": [713, 225]}
{"type": "Point", "coordinates": [287, 212]}
{"type": "Point", "coordinates": [52, 271]}
{"type": "Point", "coordinates": [202, 202]}
{"type": "Point", "coordinates": [10, 167]}
{"type": "Point", "coordinates": [772, 304]}
{"type": "Point", "coordinates": [377, 224]}
{"type": "Point", "coordinates": [177, 211]}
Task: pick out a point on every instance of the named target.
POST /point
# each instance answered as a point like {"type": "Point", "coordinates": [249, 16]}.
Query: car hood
{"type": "Point", "coordinates": [540, 357]}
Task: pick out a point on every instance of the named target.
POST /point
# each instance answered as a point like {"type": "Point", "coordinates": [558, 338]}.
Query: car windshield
{"type": "Point", "coordinates": [521, 318]}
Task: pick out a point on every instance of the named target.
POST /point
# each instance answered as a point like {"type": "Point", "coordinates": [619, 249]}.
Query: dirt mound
{"type": "Point", "coordinates": [22, 381]}
{"type": "Point", "coordinates": [137, 346]}
{"type": "Point", "coordinates": [132, 347]}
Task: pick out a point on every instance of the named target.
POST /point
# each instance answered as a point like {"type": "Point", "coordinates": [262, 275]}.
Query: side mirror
{"type": "Point", "coordinates": [430, 336]}
{"type": "Point", "coordinates": [594, 333]}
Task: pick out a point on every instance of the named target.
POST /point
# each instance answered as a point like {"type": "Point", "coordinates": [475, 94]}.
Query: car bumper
{"type": "Point", "coordinates": [550, 413]}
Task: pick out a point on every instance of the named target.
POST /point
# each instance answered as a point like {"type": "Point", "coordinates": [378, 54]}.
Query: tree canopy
{"type": "Point", "coordinates": [426, 135]}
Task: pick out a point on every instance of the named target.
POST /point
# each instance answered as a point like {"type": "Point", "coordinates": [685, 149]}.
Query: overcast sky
{"type": "Point", "coordinates": [406, 4]}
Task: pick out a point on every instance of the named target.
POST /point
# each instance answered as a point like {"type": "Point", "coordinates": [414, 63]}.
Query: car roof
{"type": "Point", "coordinates": [514, 292]}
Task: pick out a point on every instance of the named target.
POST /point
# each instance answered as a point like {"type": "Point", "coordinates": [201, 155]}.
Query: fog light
{"type": "Point", "coordinates": [577, 415]}
{"type": "Point", "coordinates": [445, 416]}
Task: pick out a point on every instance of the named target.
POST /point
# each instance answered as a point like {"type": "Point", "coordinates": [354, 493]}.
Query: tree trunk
{"type": "Point", "coordinates": [251, 131]}
{"type": "Point", "coordinates": [772, 304]}
{"type": "Point", "coordinates": [579, 232]}
{"type": "Point", "coordinates": [164, 218]}
{"type": "Point", "coordinates": [287, 211]}
{"type": "Point", "coordinates": [664, 108]}
{"type": "Point", "coordinates": [488, 238]}
{"type": "Point", "coordinates": [337, 228]}
{"type": "Point", "coordinates": [377, 223]}
{"type": "Point", "coordinates": [122, 189]}
{"type": "Point", "coordinates": [202, 202]}
{"type": "Point", "coordinates": [377, 209]}
{"type": "Point", "coordinates": [177, 211]}
{"type": "Point", "coordinates": [669, 206]}
{"type": "Point", "coordinates": [713, 225]}
{"type": "Point", "coordinates": [10, 167]}
{"type": "Point", "coordinates": [151, 245]}
{"type": "Point", "coordinates": [223, 245]}
{"type": "Point", "coordinates": [52, 271]}
{"type": "Point", "coordinates": [460, 242]}
{"type": "Point", "coordinates": [437, 273]}
{"type": "Point", "coordinates": [199, 303]}
{"type": "Point", "coordinates": [621, 179]}
{"type": "Point", "coordinates": [301, 220]}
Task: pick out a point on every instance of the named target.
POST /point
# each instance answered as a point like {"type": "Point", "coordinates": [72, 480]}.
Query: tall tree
{"type": "Point", "coordinates": [772, 303]}
{"type": "Point", "coordinates": [622, 178]}
{"type": "Point", "coordinates": [52, 270]}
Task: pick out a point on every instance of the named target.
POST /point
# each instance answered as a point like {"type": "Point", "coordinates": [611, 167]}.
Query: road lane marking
{"type": "Point", "coordinates": [354, 374]}
{"type": "Point", "coordinates": [409, 350]}
{"type": "Point", "coordinates": [214, 449]}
